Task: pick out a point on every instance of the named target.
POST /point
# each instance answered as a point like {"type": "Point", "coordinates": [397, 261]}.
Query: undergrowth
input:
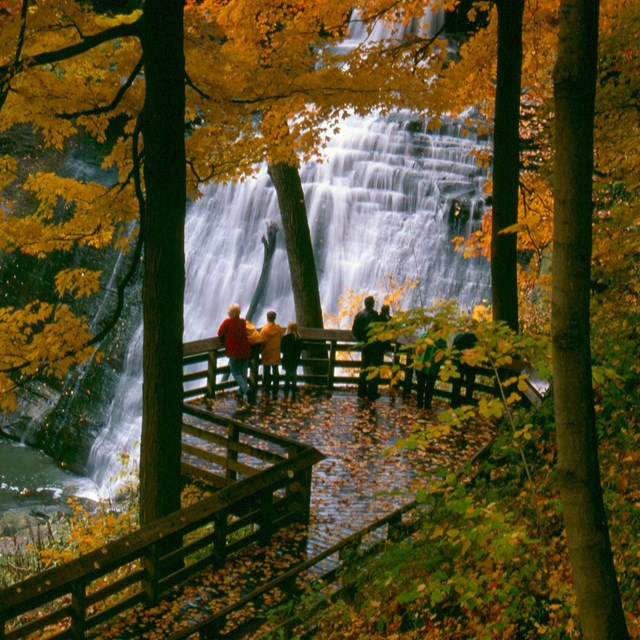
{"type": "Point", "coordinates": [491, 559]}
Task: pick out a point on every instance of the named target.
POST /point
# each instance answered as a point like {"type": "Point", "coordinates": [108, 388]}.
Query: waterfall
{"type": "Point", "coordinates": [380, 203]}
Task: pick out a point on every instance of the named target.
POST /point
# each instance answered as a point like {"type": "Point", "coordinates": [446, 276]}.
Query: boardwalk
{"type": "Point", "coordinates": [361, 480]}
{"type": "Point", "coordinates": [356, 437]}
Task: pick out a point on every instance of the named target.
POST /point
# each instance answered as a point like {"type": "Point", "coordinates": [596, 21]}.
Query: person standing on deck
{"type": "Point", "coordinates": [427, 365]}
{"type": "Point", "coordinates": [360, 329]}
{"type": "Point", "coordinates": [233, 332]}
{"type": "Point", "coordinates": [461, 343]}
{"type": "Point", "coordinates": [271, 337]}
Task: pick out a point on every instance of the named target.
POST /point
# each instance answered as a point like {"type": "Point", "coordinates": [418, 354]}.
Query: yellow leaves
{"type": "Point", "coordinates": [69, 213]}
{"type": "Point", "coordinates": [40, 338]}
{"type": "Point", "coordinates": [8, 168]}
{"type": "Point", "coordinates": [79, 282]}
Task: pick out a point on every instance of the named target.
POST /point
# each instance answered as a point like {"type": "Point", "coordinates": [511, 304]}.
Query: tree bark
{"type": "Point", "coordinates": [506, 163]}
{"type": "Point", "coordinates": [304, 278]}
{"type": "Point", "coordinates": [598, 595]}
{"type": "Point", "coordinates": [164, 270]}
{"type": "Point", "coordinates": [269, 243]}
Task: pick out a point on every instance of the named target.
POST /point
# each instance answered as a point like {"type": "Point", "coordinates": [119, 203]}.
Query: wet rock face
{"type": "Point", "coordinates": [68, 431]}
{"type": "Point", "coordinates": [63, 417]}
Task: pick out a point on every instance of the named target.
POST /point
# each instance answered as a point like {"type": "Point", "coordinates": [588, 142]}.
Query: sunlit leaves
{"type": "Point", "coordinates": [78, 282]}
{"type": "Point", "coordinates": [41, 338]}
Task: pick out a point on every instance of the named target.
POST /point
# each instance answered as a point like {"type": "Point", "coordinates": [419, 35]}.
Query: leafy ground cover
{"type": "Point", "coordinates": [491, 559]}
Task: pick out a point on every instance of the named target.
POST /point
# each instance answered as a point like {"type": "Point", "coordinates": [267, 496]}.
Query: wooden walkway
{"type": "Point", "coordinates": [359, 482]}
{"type": "Point", "coordinates": [356, 437]}
{"type": "Point", "coordinates": [346, 497]}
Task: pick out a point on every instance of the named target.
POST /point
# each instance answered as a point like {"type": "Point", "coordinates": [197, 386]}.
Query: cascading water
{"type": "Point", "coordinates": [378, 205]}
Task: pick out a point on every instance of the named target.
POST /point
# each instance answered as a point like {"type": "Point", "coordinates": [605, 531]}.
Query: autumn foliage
{"type": "Point", "coordinates": [270, 81]}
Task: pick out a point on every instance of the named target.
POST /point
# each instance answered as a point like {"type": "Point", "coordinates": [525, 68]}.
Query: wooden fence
{"type": "Point", "coordinates": [263, 483]}
{"type": "Point", "coordinates": [330, 358]}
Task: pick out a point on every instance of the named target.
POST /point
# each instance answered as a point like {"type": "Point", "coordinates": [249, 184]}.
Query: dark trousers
{"type": "Point", "coordinates": [424, 389]}
{"type": "Point", "coordinates": [271, 378]}
{"type": "Point", "coordinates": [467, 379]}
{"type": "Point", "coordinates": [372, 356]}
{"type": "Point", "coordinates": [290, 378]}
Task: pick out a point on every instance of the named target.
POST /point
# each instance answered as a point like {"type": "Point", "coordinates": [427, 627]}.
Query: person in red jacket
{"type": "Point", "coordinates": [233, 332]}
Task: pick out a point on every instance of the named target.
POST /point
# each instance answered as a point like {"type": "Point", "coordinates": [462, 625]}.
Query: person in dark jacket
{"type": "Point", "coordinates": [291, 347]}
{"type": "Point", "coordinates": [370, 351]}
{"type": "Point", "coordinates": [427, 365]}
{"type": "Point", "coordinates": [462, 342]}
{"type": "Point", "coordinates": [233, 332]}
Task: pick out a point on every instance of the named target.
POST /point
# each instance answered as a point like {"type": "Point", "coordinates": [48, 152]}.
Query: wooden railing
{"type": "Point", "coordinates": [370, 539]}
{"type": "Point", "coordinates": [263, 483]}
{"type": "Point", "coordinates": [331, 357]}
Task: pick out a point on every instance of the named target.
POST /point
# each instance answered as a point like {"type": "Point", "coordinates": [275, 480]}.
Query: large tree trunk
{"type": "Point", "coordinates": [506, 163]}
{"type": "Point", "coordinates": [304, 278]}
{"type": "Point", "coordinates": [164, 271]}
{"type": "Point", "coordinates": [585, 519]}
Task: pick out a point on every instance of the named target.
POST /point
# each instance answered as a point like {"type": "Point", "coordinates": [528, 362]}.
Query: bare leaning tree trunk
{"type": "Point", "coordinates": [599, 602]}
{"type": "Point", "coordinates": [304, 278]}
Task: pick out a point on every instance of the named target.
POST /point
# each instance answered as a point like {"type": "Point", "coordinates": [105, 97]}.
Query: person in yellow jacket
{"type": "Point", "coordinates": [271, 336]}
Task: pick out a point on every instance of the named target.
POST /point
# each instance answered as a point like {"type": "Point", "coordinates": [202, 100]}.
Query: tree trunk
{"type": "Point", "coordinates": [599, 603]}
{"type": "Point", "coordinates": [269, 243]}
{"type": "Point", "coordinates": [164, 270]}
{"type": "Point", "coordinates": [304, 278]}
{"type": "Point", "coordinates": [506, 163]}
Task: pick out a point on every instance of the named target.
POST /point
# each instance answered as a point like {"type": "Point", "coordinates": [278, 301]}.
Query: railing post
{"type": "Point", "coordinates": [395, 528]}
{"type": "Point", "coordinates": [212, 372]}
{"type": "Point", "coordinates": [78, 609]}
{"type": "Point", "coordinates": [150, 563]}
{"type": "Point", "coordinates": [233, 438]}
{"type": "Point", "coordinates": [331, 374]}
{"type": "Point", "coordinates": [266, 516]}
{"type": "Point", "coordinates": [220, 537]}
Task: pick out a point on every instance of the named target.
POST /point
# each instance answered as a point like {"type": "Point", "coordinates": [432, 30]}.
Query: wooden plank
{"type": "Point", "coordinates": [222, 461]}
{"type": "Point", "coordinates": [114, 587]}
{"type": "Point", "coordinates": [261, 434]}
{"type": "Point", "coordinates": [40, 623]}
{"type": "Point", "coordinates": [194, 393]}
{"type": "Point", "coordinates": [191, 471]}
{"type": "Point", "coordinates": [200, 346]}
{"type": "Point", "coordinates": [327, 335]}
{"type": "Point", "coordinates": [114, 610]}
{"type": "Point", "coordinates": [240, 447]}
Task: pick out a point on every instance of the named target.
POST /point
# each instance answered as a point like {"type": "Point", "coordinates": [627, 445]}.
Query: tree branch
{"type": "Point", "coordinates": [89, 42]}
{"type": "Point", "coordinates": [114, 103]}
{"type": "Point", "coordinates": [137, 252]}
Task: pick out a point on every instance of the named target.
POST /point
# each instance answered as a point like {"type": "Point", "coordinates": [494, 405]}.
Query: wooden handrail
{"type": "Point", "coordinates": [147, 547]}
{"type": "Point", "coordinates": [210, 350]}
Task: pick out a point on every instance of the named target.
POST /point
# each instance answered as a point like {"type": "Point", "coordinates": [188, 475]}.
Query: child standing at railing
{"type": "Point", "coordinates": [271, 336]}
{"type": "Point", "coordinates": [291, 347]}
